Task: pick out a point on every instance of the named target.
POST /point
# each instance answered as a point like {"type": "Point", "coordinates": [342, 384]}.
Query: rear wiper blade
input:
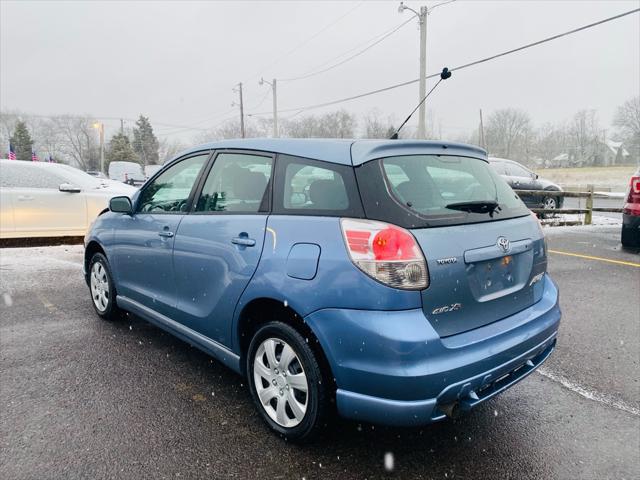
{"type": "Point", "coordinates": [476, 206]}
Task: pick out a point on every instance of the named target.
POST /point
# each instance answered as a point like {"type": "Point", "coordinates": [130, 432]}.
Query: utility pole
{"type": "Point", "coordinates": [242, 133]}
{"type": "Point", "coordinates": [275, 104]}
{"type": "Point", "coordinates": [422, 20]}
{"type": "Point", "coordinates": [482, 143]}
{"type": "Point", "coordinates": [275, 109]}
{"type": "Point", "coordinates": [121, 126]}
{"type": "Point", "coordinates": [422, 17]}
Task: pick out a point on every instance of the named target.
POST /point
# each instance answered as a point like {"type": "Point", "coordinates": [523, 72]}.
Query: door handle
{"type": "Point", "coordinates": [165, 234]}
{"type": "Point", "coordinates": [244, 241]}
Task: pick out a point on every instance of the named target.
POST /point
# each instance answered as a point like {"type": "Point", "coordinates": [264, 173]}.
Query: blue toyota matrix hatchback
{"type": "Point", "coordinates": [397, 282]}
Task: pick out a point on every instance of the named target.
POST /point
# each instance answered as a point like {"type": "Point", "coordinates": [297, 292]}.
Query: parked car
{"type": "Point", "coordinates": [126, 172]}
{"type": "Point", "coordinates": [630, 236]}
{"type": "Point", "coordinates": [401, 279]}
{"type": "Point", "coordinates": [97, 174]}
{"type": "Point", "coordinates": [520, 177]}
{"type": "Point", "coordinates": [40, 199]}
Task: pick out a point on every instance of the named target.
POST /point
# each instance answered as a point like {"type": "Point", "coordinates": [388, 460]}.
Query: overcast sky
{"type": "Point", "coordinates": [177, 62]}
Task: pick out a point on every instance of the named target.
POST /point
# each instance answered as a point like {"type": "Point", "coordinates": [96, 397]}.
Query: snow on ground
{"type": "Point", "coordinates": [597, 220]}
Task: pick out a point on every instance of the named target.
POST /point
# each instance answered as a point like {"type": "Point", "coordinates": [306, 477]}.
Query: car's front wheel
{"type": "Point", "coordinates": [286, 382]}
{"type": "Point", "coordinates": [102, 288]}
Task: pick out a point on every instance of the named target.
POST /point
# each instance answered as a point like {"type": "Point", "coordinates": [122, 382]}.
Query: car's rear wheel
{"type": "Point", "coordinates": [103, 292]}
{"type": "Point", "coordinates": [286, 382]}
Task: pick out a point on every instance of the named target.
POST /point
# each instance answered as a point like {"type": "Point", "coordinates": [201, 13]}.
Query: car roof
{"type": "Point", "coordinates": [343, 151]}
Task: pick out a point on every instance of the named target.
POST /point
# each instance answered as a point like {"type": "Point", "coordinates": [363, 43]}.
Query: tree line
{"type": "Point", "coordinates": [75, 140]}
{"type": "Point", "coordinates": [508, 133]}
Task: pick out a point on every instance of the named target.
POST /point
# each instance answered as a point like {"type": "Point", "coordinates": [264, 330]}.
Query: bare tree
{"type": "Point", "coordinates": [377, 127]}
{"type": "Point", "coordinates": [338, 124]}
{"type": "Point", "coordinates": [550, 141]}
{"type": "Point", "coordinates": [79, 140]}
{"type": "Point", "coordinates": [508, 133]}
{"type": "Point", "coordinates": [627, 120]}
{"type": "Point", "coordinates": [168, 149]}
{"type": "Point", "coordinates": [584, 138]}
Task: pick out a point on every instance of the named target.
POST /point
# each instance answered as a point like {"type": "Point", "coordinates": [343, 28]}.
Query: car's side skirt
{"type": "Point", "coordinates": [213, 348]}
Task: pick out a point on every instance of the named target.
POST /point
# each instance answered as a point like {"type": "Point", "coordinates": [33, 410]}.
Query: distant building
{"type": "Point", "coordinates": [603, 154]}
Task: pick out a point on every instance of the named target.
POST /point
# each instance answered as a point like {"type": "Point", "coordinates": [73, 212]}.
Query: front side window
{"type": "Point", "coordinates": [517, 171]}
{"type": "Point", "coordinates": [236, 183]}
{"type": "Point", "coordinates": [170, 191]}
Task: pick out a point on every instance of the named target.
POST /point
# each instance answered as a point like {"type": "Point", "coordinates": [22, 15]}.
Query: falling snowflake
{"type": "Point", "coordinates": [389, 462]}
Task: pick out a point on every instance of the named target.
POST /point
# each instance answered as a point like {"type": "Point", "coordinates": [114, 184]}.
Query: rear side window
{"type": "Point", "coordinates": [311, 187]}
{"type": "Point", "coordinates": [428, 190]}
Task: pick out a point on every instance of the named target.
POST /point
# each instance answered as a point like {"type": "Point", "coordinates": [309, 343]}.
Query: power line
{"type": "Point", "coordinates": [305, 42]}
{"type": "Point", "coordinates": [460, 67]}
{"type": "Point", "coordinates": [313, 72]}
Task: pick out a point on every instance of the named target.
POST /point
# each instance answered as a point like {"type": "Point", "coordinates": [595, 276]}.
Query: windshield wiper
{"type": "Point", "coordinates": [476, 206]}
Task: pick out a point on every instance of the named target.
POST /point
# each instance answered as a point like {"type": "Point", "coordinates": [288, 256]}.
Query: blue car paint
{"type": "Point", "coordinates": [389, 362]}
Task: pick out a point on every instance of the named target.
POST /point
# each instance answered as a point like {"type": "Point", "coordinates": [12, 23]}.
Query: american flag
{"type": "Point", "coordinates": [12, 152]}
{"type": "Point", "coordinates": [34, 156]}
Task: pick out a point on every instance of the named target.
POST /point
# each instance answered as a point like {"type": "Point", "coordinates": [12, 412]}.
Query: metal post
{"type": "Point", "coordinates": [588, 217]}
{"type": "Point", "coordinates": [482, 143]}
{"type": "Point", "coordinates": [241, 111]}
{"type": "Point", "coordinates": [102, 147]}
{"type": "Point", "coordinates": [422, 131]}
{"type": "Point", "coordinates": [275, 109]}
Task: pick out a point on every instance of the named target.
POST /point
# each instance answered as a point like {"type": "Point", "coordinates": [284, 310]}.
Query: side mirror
{"type": "Point", "coordinates": [69, 188]}
{"type": "Point", "coordinates": [121, 205]}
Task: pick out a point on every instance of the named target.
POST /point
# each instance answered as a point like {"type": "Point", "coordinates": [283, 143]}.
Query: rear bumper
{"type": "Point", "coordinates": [392, 367]}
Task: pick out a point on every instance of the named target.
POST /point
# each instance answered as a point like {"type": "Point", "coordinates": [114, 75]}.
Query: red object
{"type": "Point", "coordinates": [393, 244]}
{"type": "Point", "coordinates": [632, 206]}
{"type": "Point", "coordinates": [358, 240]}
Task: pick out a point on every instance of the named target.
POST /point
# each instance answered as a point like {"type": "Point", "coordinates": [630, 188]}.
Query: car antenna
{"type": "Point", "coordinates": [443, 76]}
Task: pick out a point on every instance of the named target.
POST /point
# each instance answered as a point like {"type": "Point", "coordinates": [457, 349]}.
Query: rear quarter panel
{"type": "Point", "coordinates": [337, 283]}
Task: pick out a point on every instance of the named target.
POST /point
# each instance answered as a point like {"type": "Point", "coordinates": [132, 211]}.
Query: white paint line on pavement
{"type": "Point", "coordinates": [589, 394]}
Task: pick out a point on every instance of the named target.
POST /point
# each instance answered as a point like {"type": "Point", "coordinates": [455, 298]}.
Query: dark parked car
{"type": "Point", "coordinates": [631, 214]}
{"type": "Point", "coordinates": [521, 178]}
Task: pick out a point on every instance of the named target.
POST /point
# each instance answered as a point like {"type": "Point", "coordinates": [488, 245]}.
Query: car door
{"type": "Point", "coordinates": [40, 209]}
{"type": "Point", "coordinates": [521, 179]}
{"type": "Point", "coordinates": [218, 246]}
{"type": "Point", "coordinates": [144, 240]}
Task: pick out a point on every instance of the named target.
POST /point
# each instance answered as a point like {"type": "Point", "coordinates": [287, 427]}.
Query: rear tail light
{"type": "Point", "coordinates": [386, 252]}
{"type": "Point", "coordinates": [632, 206]}
{"type": "Point", "coordinates": [634, 190]}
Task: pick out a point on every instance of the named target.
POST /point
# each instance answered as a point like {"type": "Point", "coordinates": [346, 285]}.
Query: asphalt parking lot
{"type": "Point", "coordinates": [83, 398]}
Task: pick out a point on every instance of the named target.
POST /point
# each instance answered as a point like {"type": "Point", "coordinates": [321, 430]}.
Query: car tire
{"type": "Point", "coordinates": [102, 288]}
{"type": "Point", "coordinates": [630, 237]}
{"type": "Point", "coordinates": [273, 384]}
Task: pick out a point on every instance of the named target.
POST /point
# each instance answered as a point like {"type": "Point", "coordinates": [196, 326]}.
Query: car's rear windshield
{"type": "Point", "coordinates": [429, 190]}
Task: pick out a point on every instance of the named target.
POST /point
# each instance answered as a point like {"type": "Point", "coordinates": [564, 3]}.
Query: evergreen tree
{"type": "Point", "coordinates": [145, 143]}
{"type": "Point", "coordinates": [21, 141]}
{"type": "Point", "coordinates": [120, 149]}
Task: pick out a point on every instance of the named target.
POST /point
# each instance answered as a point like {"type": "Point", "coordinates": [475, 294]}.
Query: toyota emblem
{"type": "Point", "coordinates": [504, 244]}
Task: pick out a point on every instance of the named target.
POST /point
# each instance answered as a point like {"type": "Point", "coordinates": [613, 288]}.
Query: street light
{"type": "Point", "coordinates": [275, 104]}
{"type": "Point", "coordinates": [100, 127]}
